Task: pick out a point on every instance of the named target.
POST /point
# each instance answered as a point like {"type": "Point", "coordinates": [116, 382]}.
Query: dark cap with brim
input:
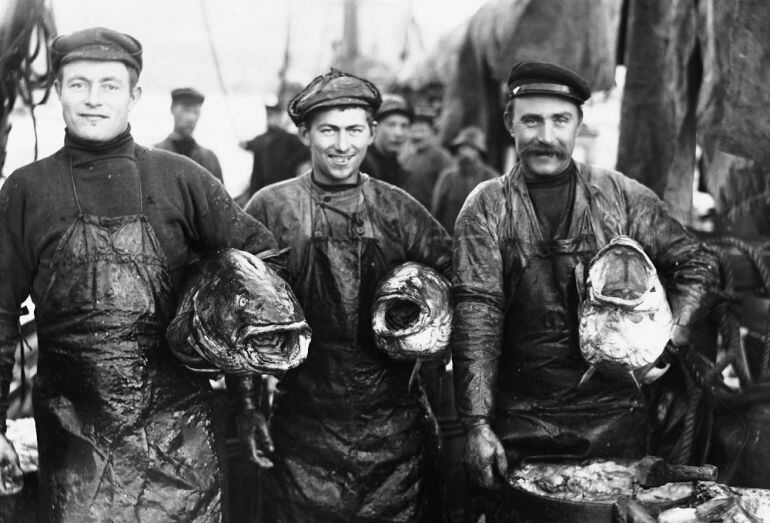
{"type": "Point", "coordinates": [425, 114]}
{"type": "Point", "coordinates": [535, 77]}
{"type": "Point", "coordinates": [187, 96]}
{"type": "Point", "coordinates": [99, 44]}
{"type": "Point", "coordinates": [334, 89]}
{"type": "Point", "coordinates": [394, 104]}
{"type": "Point", "coordinates": [473, 137]}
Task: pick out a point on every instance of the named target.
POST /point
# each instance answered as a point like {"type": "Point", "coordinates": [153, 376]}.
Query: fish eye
{"type": "Point", "coordinates": [243, 300]}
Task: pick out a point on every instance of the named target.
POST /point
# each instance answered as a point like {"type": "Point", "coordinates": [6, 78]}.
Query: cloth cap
{"type": "Point", "coordinates": [96, 43]}
{"type": "Point", "coordinates": [535, 77]}
{"type": "Point", "coordinates": [187, 96]}
{"type": "Point", "coordinates": [334, 89]}
{"type": "Point", "coordinates": [425, 114]}
{"type": "Point", "coordinates": [472, 136]}
{"type": "Point", "coordinates": [394, 104]}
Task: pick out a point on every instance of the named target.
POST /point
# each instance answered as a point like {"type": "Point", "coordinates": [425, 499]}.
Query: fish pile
{"type": "Point", "coordinates": [625, 319]}
{"type": "Point", "coordinates": [237, 315]}
{"type": "Point", "coordinates": [412, 313]}
{"type": "Point", "coordinates": [596, 481]}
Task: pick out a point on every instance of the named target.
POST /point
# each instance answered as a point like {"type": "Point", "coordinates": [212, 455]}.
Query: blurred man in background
{"type": "Point", "coordinates": [423, 158]}
{"type": "Point", "coordinates": [278, 154]}
{"type": "Point", "coordinates": [186, 105]}
{"type": "Point", "coordinates": [456, 183]}
{"type": "Point", "coordinates": [393, 121]}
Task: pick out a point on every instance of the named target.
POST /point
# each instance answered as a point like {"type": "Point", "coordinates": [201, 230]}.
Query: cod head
{"type": "Point", "coordinates": [412, 313]}
{"type": "Point", "coordinates": [238, 316]}
{"type": "Point", "coordinates": [625, 319]}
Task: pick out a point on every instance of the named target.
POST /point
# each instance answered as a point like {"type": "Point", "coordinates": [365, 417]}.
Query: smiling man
{"type": "Point", "coordinates": [98, 235]}
{"type": "Point", "coordinates": [353, 442]}
{"type": "Point", "coordinates": [518, 241]}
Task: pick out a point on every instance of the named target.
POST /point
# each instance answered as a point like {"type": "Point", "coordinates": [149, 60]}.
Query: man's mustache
{"type": "Point", "coordinates": [535, 149]}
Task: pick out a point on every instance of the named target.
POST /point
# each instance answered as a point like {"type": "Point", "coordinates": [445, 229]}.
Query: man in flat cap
{"type": "Point", "coordinates": [98, 234]}
{"type": "Point", "coordinates": [458, 180]}
{"type": "Point", "coordinates": [393, 119]}
{"type": "Point", "coordinates": [423, 157]}
{"type": "Point", "coordinates": [518, 240]}
{"type": "Point", "coordinates": [186, 105]}
{"type": "Point", "coordinates": [353, 441]}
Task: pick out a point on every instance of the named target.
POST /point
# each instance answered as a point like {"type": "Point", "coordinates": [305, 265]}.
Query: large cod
{"type": "Point", "coordinates": [237, 315]}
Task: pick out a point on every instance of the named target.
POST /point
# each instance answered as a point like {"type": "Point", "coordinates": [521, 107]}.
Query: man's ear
{"type": "Point", "coordinates": [507, 120]}
{"type": "Point", "coordinates": [374, 133]}
{"type": "Point", "coordinates": [304, 134]}
{"type": "Point", "coordinates": [136, 95]}
{"type": "Point", "coordinates": [57, 87]}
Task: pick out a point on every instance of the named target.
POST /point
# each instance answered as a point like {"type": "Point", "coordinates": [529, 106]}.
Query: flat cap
{"type": "Point", "coordinates": [96, 43]}
{"type": "Point", "coordinates": [472, 136]}
{"type": "Point", "coordinates": [334, 89]}
{"type": "Point", "coordinates": [394, 104]}
{"type": "Point", "coordinates": [187, 95]}
{"type": "Point", "coordinates": [425, 114]}
{"type": "Point", "coordinates": [535, 77]}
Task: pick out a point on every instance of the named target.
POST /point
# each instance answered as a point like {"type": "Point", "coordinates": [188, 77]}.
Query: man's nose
{"type": "Point", "coordinates": [93, 98]}
{"type": "Point", "coordinates": [343, 141]}
{"type": "Point", "coordinates": [547, 132]}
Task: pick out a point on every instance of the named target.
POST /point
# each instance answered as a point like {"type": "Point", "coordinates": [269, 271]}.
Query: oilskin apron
{"type": "Point", "coordinates": [541, 410]}
{"type": "Point", "coordinates": [352, 444]}
{"type": "Point", "coordinates": [125, 434]}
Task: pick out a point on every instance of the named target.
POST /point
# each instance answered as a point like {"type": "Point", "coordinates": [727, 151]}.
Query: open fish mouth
{"type": "Point", "coordinates": [398, 316]}
{"type": "Point", "coordinates": [275, 348]}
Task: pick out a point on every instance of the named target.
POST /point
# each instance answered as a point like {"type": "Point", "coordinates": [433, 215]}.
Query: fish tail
{"type": "Point", "coordinates": [415, 375]}
{"type": "Point", "coordinates": [587, 375]}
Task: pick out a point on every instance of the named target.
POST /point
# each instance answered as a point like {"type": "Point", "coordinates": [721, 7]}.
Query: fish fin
{"type": "Point", "coordinates": [415, 375]}
{"type": "Point", "coordinates": [636, 381]}
{"type": "Point", "coordinates": [587, 375]}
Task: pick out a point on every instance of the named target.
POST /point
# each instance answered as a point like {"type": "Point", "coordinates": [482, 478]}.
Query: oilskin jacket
{"type": "Point", "coordinates": [98, 234]}
{"type": "Point", "coordinates": [353, 442]}
{"type": "Point", "coordinates": [515, 345]}
{"type": "Point", "coordinates": [196, 152]}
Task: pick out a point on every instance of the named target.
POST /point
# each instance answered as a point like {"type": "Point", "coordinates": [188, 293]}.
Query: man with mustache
{"type": "Point", "coordinates": [518, 241]}
{"type": "Point", "coordinates": [99, 234]}
{"type": "Point", "coordinates": [457, 181]}
{"type": "Point", "coordinates": [353, 441]}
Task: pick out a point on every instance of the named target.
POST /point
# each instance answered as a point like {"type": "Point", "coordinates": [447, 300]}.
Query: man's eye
{"type": "Point", "coordinates": [111, 87]}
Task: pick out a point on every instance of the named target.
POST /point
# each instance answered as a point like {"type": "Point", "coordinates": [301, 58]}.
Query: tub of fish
{"type": "Point", "coordinates": [589, 490]}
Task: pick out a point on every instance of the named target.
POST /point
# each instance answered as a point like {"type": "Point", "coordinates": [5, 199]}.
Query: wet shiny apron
{"type": "Point", "coordinates": [541, 411]}
{"type": "Point", "coordinates": [125, 434]}
{"type": "Point", "coordinates": [352, 443]}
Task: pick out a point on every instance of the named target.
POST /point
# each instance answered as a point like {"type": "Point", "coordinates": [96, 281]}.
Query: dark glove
{"type": "Point", "coordinates": [250, 422]}
{"type": "Point", "coordinates": [485, 459]}
{"type": "Point", "coordinates": [11, 475]}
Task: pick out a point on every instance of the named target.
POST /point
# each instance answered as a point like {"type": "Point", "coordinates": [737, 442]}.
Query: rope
{"type": "Point", "coordinates": [218, 68]}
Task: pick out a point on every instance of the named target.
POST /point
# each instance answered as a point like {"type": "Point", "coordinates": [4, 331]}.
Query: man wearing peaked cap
{"type": "Point", "coordinates": [393, 118]}
{"type": "Point", "coordinates": [125, 432]}
{"type": "Point", "coordinates": [456, 182]}
{"type": "Point", "coordinates": [519, 241]}
{"type": "Point", "coordinates": [352, 441]}
{"type": "Point", "coordinates": [186, 105]}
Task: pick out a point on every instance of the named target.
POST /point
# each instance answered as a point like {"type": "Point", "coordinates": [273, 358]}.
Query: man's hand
{"type": "Point", "coordinates": [10, 470]}
{"type": "Point", "coordinates": [255, 437]}
{"type": "Point", "coordinates": [485, 457]}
